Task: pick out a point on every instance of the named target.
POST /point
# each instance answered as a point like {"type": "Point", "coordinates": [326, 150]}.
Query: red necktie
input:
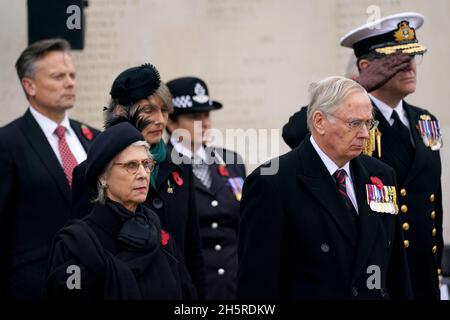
{"type": "Point", "coordinates": [67, 157]}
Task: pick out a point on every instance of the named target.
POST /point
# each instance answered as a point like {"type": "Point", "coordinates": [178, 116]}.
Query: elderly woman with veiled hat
{"type": "Point", "coordinates": [118, 251]}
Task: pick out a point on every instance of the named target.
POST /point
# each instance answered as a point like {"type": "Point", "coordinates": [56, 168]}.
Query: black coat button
{"type": "Point", "coordinates": [354, 292]}
{"type": "Point", "coordinates": [157, 203]}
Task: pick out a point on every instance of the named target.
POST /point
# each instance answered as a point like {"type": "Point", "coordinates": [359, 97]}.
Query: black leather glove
{"type": "Point", "coordinates": [380, 70]}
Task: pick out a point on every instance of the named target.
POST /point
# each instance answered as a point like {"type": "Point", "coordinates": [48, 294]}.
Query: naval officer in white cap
{"type": "Point", "coordinates": [410, 141]}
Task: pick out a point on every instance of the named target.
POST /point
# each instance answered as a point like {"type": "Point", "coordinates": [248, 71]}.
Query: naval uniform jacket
{"type": "Point", "coordinates": [298, 241]}
{"type": "Point", "coordinates": [419, 195]}
{"type": "Point", "coordinates": [420, 202]}
{"type": "Point", "coordinates": [34, 204]}
{"type": "Point", "coordinates": [176, 208]}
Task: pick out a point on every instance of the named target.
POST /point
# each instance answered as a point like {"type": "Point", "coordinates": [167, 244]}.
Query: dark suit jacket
{"type": "Point", "coordinates": [177, 212]}
{"type": "Point", "coordinates": [218, 212]}
{"type": "Point", "coordinates": [297, 240]}
{"type": "Point", "coordinates": [34, 205]}
{"type": "Point", "coordinates": [419, 183]}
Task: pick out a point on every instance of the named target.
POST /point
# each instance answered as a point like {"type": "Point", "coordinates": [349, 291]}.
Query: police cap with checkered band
{"type": "Point", "coordinates": [190, 95]}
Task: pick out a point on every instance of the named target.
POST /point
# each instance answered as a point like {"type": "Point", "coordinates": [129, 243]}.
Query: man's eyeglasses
{"type": "Point", "coordinates": [358, 124]}
{"type": "Point", "coordinates": [133, 166]}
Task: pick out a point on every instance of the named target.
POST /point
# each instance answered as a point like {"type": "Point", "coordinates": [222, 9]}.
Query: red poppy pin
{"type": "Point", "coordinates": [177, 178]}
{"type": "Point", "coordinates": [87, 133]}
{"type": "Point", "coordinates": [164, 238]}
{"type": "Point", "coordinates": [223, 171]}
{"type": "Point", "coordinates": [377, 182]}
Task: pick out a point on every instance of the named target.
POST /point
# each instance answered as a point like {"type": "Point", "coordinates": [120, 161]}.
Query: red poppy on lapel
{"type": "Point", "coordinates": [87, 133]}
{"type": "Point", "coordinates": [377, 181]}
{"type": "Point", "coordinates": [164, 238]}
{"type": "Point", "coordinates": [223, 170]}
{"type": "Point", "coordinates": [177, 178]}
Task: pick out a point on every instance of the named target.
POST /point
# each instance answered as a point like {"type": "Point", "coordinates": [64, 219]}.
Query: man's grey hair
{"type": "Point", "coordinates": [26, 63]}
{"type": "Point", "coordinates": [101, 187]}
{"type": "Point", "coordinates": [326, 95]}
{"type": "Point", "coordinates": [114, 108]}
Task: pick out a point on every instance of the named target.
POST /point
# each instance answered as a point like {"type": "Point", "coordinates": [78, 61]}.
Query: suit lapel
{"type": "Point", "coordinates": [420, 149]}
{"type": "Point", "coordinates": [77, 129]}
{"type": "Point", "coordinates": [41, 146]}
{"type": "Point", "coordinates": [218, 182]}
{"type": "Point", "coordinates": [318, 181]}
{"type": "Point", "coordinates": [368, 220]}
{"type": "Point", "coordinates": [166, 168]}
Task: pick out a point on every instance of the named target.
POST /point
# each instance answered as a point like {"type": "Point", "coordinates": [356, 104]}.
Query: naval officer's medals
{"type": "Point", "coordinates": [381, 198]}
{"type": "Point", "coordinates": [430, 131]}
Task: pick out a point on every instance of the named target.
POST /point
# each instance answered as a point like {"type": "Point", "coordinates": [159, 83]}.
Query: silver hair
{"type": "Point", "coordinates": [101, 187]}
{"type": "Point", "coordinates": [326, 95]}
{"type": "Point", "coordinates": [162, 92]}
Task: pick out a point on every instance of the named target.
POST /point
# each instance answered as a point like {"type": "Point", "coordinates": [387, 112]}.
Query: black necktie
{"type": "Point", "coordinates": [404, 138]}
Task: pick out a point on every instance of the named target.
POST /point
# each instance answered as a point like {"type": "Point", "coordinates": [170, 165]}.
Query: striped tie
{"type": "Point", "coordinates": [340, 176]}
{"type": "Point", "coordinates": [202, 172]}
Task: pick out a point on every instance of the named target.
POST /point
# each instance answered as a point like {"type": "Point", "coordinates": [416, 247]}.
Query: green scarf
{"type": "Point", "coordinates": [159, 155]}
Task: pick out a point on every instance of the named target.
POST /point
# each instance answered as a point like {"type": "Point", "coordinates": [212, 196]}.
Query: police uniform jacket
{"type": "Point", "coordinates": [34, 204]}
{"type": "Point", "coordinates": [296, 242]}
{"type": "Point", "coordinates": [218, 212]}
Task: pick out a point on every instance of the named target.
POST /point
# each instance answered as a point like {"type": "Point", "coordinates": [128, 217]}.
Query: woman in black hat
{"type": "Point", "coordinates": [218, 178]}
{"type": "Point", "coordinates": [138, 93]}
{"type": "Point", "coordinates": [118, 251]}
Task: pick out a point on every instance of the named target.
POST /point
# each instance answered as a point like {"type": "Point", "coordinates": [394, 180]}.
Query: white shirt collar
{"type": "Point", "coordinates": [47, 125]}
{"type": "Point", "coordinates": [179, 147]}
{"type": "Point", "coordinates": [331, 166]}
{"type": "Point", "coordinates": [386, 110]}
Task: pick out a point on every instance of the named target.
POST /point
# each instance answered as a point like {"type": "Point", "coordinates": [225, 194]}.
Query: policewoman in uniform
{"type": "Point", "coordinates": [408, 138]}
{"type": "Point", "coordinates": [218, 178]}
{"type": "Point", "coordinates": [139, 95]}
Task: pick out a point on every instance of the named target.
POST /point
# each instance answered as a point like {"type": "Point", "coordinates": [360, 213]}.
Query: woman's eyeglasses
{"type": "Point", "coordinates": [133, 166]}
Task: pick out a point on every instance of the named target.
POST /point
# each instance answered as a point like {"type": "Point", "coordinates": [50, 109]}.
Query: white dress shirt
{"type": "Point", "coordinates": [386, 111]}
{"type": "Point", "coordinates": [48, 126]}
{"type": "Point", "coordinates": [332, 168]}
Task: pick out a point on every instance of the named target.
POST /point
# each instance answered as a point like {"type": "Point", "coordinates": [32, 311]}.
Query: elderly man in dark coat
{"type": "Point", "coordinates": [326, 224]}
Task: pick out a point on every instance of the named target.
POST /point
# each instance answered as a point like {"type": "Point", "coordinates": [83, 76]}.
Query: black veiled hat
{"type": "Point", "coordinates": [106, 146]}
{"type": "Point", "coordinates": [135, 84]}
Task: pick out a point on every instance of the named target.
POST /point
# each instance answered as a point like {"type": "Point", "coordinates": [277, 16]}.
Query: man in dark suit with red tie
{"type": "Point", "coordinates": [38, 152]}
{"type": "Point", "coordinates": [325, 225]}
